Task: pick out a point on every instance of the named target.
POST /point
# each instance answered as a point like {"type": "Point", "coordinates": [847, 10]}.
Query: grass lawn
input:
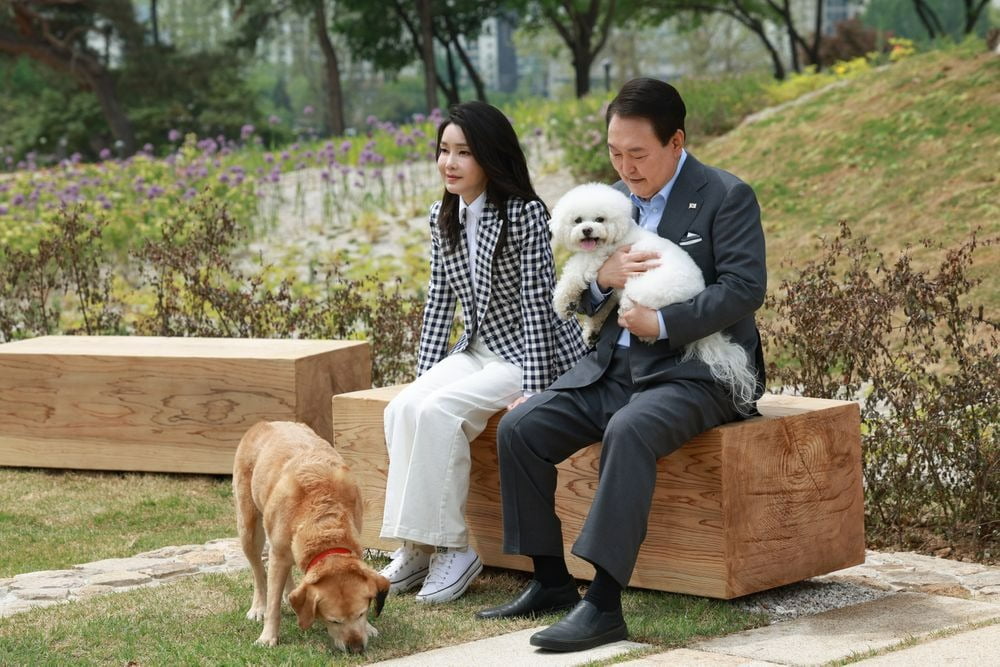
{"type": "Point", "coordinates": [200, 621]}
{"type": "Point", "coordinates": [53, 519]}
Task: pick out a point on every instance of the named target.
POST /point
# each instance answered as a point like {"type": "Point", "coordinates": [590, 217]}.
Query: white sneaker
{"type": "Point", "coordinates": [450, 574]}
{"type": "Point", "coordinates": [407, 569]}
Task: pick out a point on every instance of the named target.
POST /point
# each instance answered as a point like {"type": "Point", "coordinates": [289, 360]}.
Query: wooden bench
{"type": "Point", "coordinates": [741, 508]}
{"type": "Point", "coordinates": [162, 404]}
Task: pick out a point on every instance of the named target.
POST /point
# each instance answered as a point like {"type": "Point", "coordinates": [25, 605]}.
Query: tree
{"type": "Point", "coordinates": [393, 34]}
{"type": "Point", "coordinates": [755, 15]}
{"type": "Point", "coordinates": [935, 27]}
{"type": "Point", "coordinates": [584, 26]}
{"type": "Point", "coordinates": [927, 19]}
{"type": "Point", "coordinates": [425, 12]}
{"type": "Point", "coordinates": [258, 18]}
{"type": "Point", "coordinates": [59, 34]}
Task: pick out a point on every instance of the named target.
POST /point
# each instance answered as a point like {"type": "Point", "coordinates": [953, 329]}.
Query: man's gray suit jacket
{"type": "Point", "coordinates": [714, 216]}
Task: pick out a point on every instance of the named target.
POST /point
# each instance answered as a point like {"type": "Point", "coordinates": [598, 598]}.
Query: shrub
{"type": "Point", "coordinates": [924, 363]}
{"type": "Point", "coordinates": [193, 281]}
{"type": "Point", "coordinates": [852, 39]}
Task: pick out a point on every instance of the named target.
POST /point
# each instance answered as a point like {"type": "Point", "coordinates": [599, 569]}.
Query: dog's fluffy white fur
{"type": "Point", "coordinates": [592, 221]}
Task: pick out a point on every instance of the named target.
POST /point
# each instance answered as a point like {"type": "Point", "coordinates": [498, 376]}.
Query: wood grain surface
{"type": "Point", "coordinates": [741, 508]}
{"type": "Point", "coordinates": [162, 404]}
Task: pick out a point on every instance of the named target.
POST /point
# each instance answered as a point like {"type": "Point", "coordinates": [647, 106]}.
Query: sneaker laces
{"type": "Point", "coordinates": [401, 557]}
{"type": "Point", "coordinates": [441, 564]}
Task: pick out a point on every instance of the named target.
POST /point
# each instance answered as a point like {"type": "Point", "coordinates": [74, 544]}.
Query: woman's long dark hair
{"type": "Point", "coordinates": [493, 143]}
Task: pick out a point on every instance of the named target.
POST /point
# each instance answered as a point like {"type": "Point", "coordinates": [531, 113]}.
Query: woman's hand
{"type": "Point", "coordinates": [517, 402]}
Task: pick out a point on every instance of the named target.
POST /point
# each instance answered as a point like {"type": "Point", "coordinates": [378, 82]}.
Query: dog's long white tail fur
{"type": "Point", "coordinates": [730, 365]}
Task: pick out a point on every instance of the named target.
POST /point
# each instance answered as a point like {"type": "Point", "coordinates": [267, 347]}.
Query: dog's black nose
{"type": "Point", "coordinates": [587, 231]}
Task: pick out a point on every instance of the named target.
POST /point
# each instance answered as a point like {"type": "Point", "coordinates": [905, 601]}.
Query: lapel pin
{"type": "Point", "coordinates": [693, 205]}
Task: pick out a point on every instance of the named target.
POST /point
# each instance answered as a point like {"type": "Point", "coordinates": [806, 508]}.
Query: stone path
{"type": "Point", "coordinates": [48, 587]}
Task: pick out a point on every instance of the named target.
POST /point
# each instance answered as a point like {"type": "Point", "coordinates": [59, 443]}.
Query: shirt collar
{"type": "Point", "coordinates": [475, 208]}
{"type": "Point", "coordinates": [664, 192]}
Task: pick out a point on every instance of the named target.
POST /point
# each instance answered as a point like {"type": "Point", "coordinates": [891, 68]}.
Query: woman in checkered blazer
{"type": "Point", "coordinates": [491, 254]}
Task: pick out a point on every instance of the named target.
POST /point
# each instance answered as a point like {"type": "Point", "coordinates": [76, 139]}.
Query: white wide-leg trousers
{"type": "Point", "coordinates": [428, 428]}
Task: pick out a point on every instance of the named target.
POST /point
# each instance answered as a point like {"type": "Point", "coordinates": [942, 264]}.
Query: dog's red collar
{"type": "Point", "coordinates": [329, 552]}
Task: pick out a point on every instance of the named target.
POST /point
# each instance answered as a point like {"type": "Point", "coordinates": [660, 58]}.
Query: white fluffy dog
{"type": "Point", "coordinates": [592, 221]}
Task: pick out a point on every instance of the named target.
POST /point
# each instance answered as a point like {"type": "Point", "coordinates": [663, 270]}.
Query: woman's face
{"type": "Point", "coordinates": [460, 172]}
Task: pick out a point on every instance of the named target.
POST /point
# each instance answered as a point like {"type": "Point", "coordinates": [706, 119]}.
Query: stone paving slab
{"type": "Point", "coordinates": [907, 571]}
{"type": "Point", "coordinates": [507, 651]}
{"type": "Point", "coordinates": [41, 589]}
{"type": "Point", "coordinates": [975, 648]}
{"type": "Point", "coordinates": [842, 633]}
{"type": "Point", "coordinates": [685, 657]}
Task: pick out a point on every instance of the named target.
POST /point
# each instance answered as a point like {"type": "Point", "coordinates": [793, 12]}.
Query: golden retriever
{"type": "Point", "coordinates": [293, 487]}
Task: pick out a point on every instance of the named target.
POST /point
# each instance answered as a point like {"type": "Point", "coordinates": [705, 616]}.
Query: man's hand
{"type": "Point", "coordinates": [623, 264]}
{"type": "Point", "coordinates": [640, 321]}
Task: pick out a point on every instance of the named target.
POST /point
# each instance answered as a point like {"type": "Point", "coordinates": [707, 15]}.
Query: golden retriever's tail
{"type": "Point", "coordinates": [730, 365]}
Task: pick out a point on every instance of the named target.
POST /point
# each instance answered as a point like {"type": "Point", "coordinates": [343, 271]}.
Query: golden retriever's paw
{"type": "Point", "coordinates": [266, 640]}
{"type": "Point", "coordinates": [255, 614]}
{"type": "Point", "coordinates": [372, 631]}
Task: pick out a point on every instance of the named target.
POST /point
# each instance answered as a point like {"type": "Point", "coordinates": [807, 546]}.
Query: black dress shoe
{"type": "Point", "coordinates": [584, 627]}
{"type": "Point", "coordinates": [535, 599]}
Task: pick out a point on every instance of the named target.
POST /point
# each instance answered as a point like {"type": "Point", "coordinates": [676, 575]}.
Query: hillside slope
{"type": "Point", "coordinates": [902, 153]}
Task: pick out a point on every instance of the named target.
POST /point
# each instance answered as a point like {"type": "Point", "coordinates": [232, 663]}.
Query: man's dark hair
{"type": "Point", "coordinates": [656, 101]}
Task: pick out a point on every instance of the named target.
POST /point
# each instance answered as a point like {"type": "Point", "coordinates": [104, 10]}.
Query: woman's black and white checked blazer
{"type": "Point", "coordinates": [512, 305]}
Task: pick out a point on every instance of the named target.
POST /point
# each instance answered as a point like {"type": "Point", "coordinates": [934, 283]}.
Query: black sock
{"type": "Point", "coordinates": [604, 593]}
{"type": "Point", "coordinates": [550, 571]}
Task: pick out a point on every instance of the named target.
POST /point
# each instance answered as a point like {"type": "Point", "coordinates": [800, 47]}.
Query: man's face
{"type": "Point", "coordinates": [642, 162]}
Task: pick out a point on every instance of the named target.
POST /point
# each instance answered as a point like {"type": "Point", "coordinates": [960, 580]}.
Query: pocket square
{"type": "Point", "coordinates": [690, 239]}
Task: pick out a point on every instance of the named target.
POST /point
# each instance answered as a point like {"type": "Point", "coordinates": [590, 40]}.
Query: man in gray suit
{"type": "Point", "coordinates": [641, 400]}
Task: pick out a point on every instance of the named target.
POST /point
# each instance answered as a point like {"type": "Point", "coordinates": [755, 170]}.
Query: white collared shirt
{"type": "Point", "coordinates": [472, 212]}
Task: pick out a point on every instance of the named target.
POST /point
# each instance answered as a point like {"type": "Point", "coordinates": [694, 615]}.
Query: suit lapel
{"type": "Point", "coordinates": [685, 201]}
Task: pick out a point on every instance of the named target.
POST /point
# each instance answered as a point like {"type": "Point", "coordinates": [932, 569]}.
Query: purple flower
{"type": "Point", "coordinates": [105, 153]}
{"type": "Point", "coordinates": [268, 158]}
{"type": "Point", "coordinates": [308, 110]}
{"type": "Point", "coordinates": [190, 193]}
{"type": "Point", "coordinates": [345, 146]}
{"type": "Point", "coordinates": [371, 120]}
{"type": "Point", "coordinates": [419, 118]}
{"type": "Point", "coordinates": [3, 209]}
{"type": "Point", "coordinates": [246, 131]}
{"type": "Point", "coordinates": [273, 120]}
{"type": "Point", "coordinates": [147, 149]}
{"type": "Point", "coordinates": [173, 136]}
{"type": "Point", "coordinates": [18, 200]}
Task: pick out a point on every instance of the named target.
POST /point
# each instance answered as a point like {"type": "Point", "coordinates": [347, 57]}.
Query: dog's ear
{"type": "Point", "coordinates": [304, 603]}
{"type": "Point", "coordinates": [382, 590]}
